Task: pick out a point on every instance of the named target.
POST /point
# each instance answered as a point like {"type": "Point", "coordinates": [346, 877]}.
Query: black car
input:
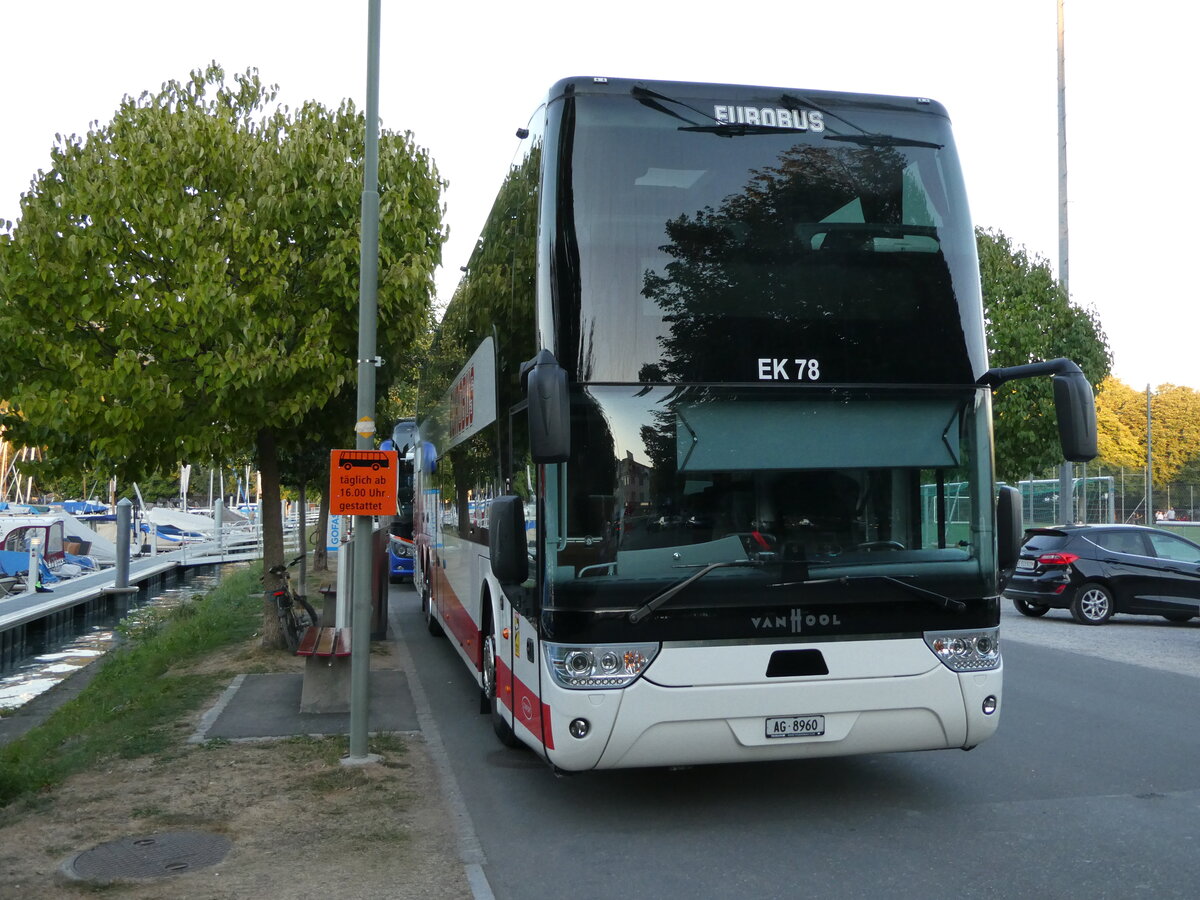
{"type": "Point", "coordinates": [1097, 570]}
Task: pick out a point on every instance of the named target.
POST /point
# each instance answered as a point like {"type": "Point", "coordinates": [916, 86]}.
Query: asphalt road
{"type": "Point", "coordinates": [1090, 789]}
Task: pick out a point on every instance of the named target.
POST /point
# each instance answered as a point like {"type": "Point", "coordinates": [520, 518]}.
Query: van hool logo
{"type": "Point", "coordinates": [796, 621]}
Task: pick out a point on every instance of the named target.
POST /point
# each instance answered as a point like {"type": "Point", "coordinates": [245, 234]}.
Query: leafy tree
{"type": "Point", "coordinates": [183, 281]}
{"type": "Point", "coordinates": [1029, 318]}
{"type": "Point", "coordinates": [1121, 424]}
{"type": "Point", "coordinates": [1175, 411]}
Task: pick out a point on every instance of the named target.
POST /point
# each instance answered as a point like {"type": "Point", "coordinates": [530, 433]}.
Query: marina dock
{"type": "Point", "coordinates": [30, 620]}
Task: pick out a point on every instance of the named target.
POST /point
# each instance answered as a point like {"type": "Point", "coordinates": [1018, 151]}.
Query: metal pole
{"type": "Point", "coordinates": [1062, 152]}
{"type": "Point", "coordinates": [219, 527]}
{"type": "Point", "coordinates": [1149, 461]}
{"type": "Point", "coordinates": [33, 574]}
{"type": "Point", "coordinates": [1066, 504]}
{"type": "Point", "coordinates": [124, 525]}
{"type": "Point", "coordinates": [360, 621]}
{"type": "Point", "coordinates": [1122, 493]}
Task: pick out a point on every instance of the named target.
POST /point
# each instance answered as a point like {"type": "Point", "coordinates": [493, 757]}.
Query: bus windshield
{"type": "Point", "coordinates": [664, 481]}
{"type": "Point", "coordinates": [846, 247]}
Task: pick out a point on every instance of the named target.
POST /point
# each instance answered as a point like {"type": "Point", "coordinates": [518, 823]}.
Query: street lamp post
{"type": "Point", "coordinates": [360, 622]}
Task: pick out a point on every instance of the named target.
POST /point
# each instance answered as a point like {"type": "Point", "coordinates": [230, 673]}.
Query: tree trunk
{"type": "Point", "coordinates": [320, 554]}
{"type": "Point", "coordinates": [272, 534]}
{"type": "Point", "coordinates": [302, 516]}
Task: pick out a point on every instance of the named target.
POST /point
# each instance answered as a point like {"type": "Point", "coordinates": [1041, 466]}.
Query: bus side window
{"type": "Point", "coordinates": [520, 479]}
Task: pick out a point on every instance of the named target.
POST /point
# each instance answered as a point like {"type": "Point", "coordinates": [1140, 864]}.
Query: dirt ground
{"type": "Point", "coordinates": [301, 824]}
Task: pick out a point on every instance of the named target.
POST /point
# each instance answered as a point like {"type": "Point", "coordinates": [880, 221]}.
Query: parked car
{"type": "Point", "coordinates": [1098, 570]}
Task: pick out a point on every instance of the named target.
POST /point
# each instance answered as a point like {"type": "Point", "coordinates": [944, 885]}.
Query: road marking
{"type": "Point", "coordinates": [469, 849]}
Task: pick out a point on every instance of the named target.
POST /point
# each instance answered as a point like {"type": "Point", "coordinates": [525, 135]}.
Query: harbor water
{"type": "Point", "coordinates": [62, 655]}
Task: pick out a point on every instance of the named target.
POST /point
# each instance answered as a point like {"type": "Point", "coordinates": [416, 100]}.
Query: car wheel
{"type": "Point", "coordinates": [1177, 617]}
{"type": "Point", "coordinates": [1093, 604]}
{"type": "Point", "coordinates": [1033, 610]}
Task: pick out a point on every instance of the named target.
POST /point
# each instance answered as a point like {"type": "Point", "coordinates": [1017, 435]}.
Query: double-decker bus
{"type": "Point", "coordinates": [688, 425]}
{"type": "Point", "coordinates": [400, 528]}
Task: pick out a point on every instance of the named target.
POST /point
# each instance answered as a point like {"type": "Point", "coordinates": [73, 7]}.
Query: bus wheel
{"type": "Point", "coordinates": [488, 703]}
{"type": "Point", "coordinates": [431, 622]}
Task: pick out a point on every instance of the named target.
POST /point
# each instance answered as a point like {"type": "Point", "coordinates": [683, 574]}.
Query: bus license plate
{"type": "Point", "coordinates": [795, 726]}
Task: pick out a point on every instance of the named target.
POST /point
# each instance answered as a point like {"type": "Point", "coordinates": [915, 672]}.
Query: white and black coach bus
{"type": "Point", "coordinates": [687, 427]}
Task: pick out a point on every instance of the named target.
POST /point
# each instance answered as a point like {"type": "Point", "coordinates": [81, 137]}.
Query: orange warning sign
{"type": "Point", "coordinates": [362, 482]}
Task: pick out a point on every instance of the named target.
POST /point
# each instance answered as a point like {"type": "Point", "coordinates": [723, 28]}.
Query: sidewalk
{"type": "Point", "coordinates": [251, 707]}
{"type": "Point", "coordinates": [266, 706]}
{"type": "Point", "coordinates": [289, 818]}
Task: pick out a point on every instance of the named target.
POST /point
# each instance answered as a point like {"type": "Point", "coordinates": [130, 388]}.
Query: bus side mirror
{"type": "Point", "coordinates": [506, 540]}
{"type": "Point", "coordinates": [1009, 530]}
{"type": "Point", "coordinates": [1075, 407]}
{"type": "Point", "coordinates": [1074, 404]}
{"type": "Point", "coordinates": [549, 408]}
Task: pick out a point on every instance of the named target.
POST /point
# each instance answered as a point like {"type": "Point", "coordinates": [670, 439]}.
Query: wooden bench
{"type": "Point", "coordinates": [324, 642]}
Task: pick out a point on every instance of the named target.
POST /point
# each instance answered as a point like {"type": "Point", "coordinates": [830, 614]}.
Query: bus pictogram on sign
{"type": "Point", "coordinates": [362, 482]}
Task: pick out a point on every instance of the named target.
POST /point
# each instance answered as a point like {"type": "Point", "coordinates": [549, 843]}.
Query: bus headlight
{"type": "Point", "coordinates": [966, 651]}
{"type": "Point", "coordinates": [604, 666]}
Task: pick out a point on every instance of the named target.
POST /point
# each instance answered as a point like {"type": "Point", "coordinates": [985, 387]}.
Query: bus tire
{"type": "Point", "coordinates": [431, 623]}
{"type": "Point", "coordinates": [488, 702]}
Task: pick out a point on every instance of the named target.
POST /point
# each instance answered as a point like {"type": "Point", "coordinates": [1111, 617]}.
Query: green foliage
{"type": "Point", "coordinates": [1175, 443]}
{"type": "Point", "coordinates": [124, 711]}
{"type": "Point", "coordinates": [186, 277]}
{"type": "Point", "coordinates": [1121, 424]}
{"type": "Point", "coordinates": [495, 298]}
{"type": "Point", "coordinates": [1175, 414]}
{"type": "Point", "coordinates": [1029, 318]}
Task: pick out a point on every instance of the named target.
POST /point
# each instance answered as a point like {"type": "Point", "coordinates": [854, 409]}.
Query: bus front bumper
{"type": "Point", "coordinates": [647, 724]}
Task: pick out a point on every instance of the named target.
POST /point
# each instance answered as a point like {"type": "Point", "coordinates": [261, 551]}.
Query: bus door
{"type": "Point", "coordinates": [526, 686]}
{"type": "Point", "coordinates": [520, 606]}
{"type": "Point", "coordinates": [518, 691]}
{"type": "Point", "coordinates": [505, 639]}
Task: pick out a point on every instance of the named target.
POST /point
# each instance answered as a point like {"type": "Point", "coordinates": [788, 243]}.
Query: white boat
{"type": "Point", "coordinates": [63, 553]}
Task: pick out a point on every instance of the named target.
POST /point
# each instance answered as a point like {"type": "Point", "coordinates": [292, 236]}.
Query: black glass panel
{"type": "Point", "coordinates": [697, 256]}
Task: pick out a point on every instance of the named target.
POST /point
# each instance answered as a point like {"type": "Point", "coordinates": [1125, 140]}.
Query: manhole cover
{"type": "Point", "coordinates": [149, 856]}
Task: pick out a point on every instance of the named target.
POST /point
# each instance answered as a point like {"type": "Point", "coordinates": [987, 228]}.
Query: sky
{"type": "Point", "coordinates": [463, 76]}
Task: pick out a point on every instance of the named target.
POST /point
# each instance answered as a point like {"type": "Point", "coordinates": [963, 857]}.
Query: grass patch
{"type": "Point", "coordinates": [130, 707]}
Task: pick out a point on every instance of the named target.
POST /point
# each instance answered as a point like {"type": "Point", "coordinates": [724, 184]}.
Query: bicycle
{"type": "Point", "coordinates": [294, 611]}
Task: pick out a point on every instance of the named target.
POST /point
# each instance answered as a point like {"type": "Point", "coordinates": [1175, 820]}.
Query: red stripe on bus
{"type": "Point", "coordinates": [456, 618]}
{"type": "Point", "coordinates": [547, 734]}
{"type": "Point", "coordinates": [524, 703]}
{"type": "Point", "coordinates": [504, 683]}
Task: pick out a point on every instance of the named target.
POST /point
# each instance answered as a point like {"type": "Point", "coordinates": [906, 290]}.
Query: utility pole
{"type": "Point", "coordinates": [368, 263]}
{"type": "Point", "coordinates": [1063, 261]}
{"type": "Point", "coordinates": [1150, 520]}
{"type": "Point", "coordinates": [1066, 473]}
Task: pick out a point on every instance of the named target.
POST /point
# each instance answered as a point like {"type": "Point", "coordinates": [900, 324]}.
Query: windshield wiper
{"type": "Point", "coordinates": [940, 600]}
{"type": "Point", "coordinates": [659, 599]}
{"type": "Point", "coordinates": [650, 98]}
{"type": "Point", "coordinates": [741, 129]}
{"type": "Point", "coordinates": [882, 140]}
